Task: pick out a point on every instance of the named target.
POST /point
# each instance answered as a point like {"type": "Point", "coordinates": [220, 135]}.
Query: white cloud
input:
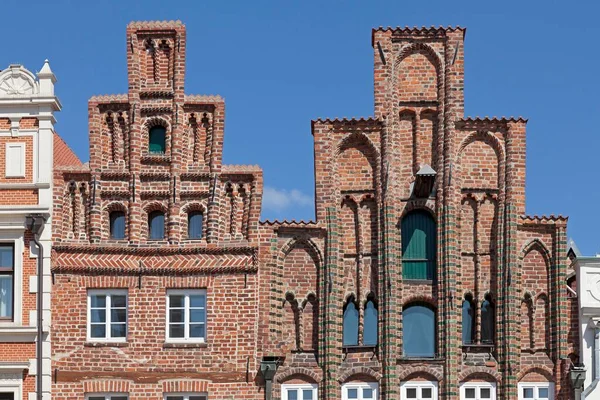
{"type": "Point", "coordinates": [280, 199]}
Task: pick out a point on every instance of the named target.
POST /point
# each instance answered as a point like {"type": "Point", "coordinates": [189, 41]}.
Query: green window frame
{"type": "Point", "coordinates": [418, 246]}
{"type": "Point", "coordinates": [157, 140]}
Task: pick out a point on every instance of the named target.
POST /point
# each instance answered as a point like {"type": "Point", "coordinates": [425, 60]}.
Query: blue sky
{"type": "Point", "coordinates": [280, 64]}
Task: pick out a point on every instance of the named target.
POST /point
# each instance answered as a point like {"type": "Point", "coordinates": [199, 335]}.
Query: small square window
{"type": "Point", "coordinates": [359, 391]}
{"type": "Point", "coordinates": [107, 396]}
{"type": "Point", "coordinates": [186, 315]}
{"type": "Point", "coordinates": [107, 315]}
{"type": "Point", "coordinates": [186, 396]}
{"type": "Point", "coordinates": [299, 392]}
{"type": "Point", "coordinates": [419, 390]}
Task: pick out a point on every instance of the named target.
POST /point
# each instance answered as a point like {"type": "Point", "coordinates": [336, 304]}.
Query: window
{"type": "Point", "coordinates": [418, 245]}
{"type": "Point", "coordinates": [370, 324]}
{"type": "Point", "coordinates": [420, 390]}
{"type": "Point", "coordinates": [107, 315]}
{"type": "Point", "coordinates": [157, 139]}
{"type": "Point", "coordinates": [468, 327]}
{"type": "Point", "coordinates": [7, 274]}
{"type": "Point", "coordinates": [156, 225]}
{"type": "Point", "coordinates": [350, 334]}
{"type": "Point", "coordinates": [299, 392]}
{"type": "Point", "coordinates": [195, 225]}
{"type": "Point", "coordinates": [186, 396]}
{"type": "Point", "coordinates": [117, 225]}
{"type": "Point", "coordinates": [359, 391]}
{"type": "Point", "coordinates": [487, 320]}
{"type": "Point", "coordinates": [15, 160]}
{"type": "Point", "coordinates": [186, 315]}
{"type": "Point", "coordinates": [117, 396]}
{"type": "Point", "coordinates": [478, 391]}
{"type": "Point", "coordinates": [536, 391]}
{"type": "Point", "coordinates": [418, 327]}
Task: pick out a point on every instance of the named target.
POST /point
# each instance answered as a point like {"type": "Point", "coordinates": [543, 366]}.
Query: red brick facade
{"type": "Point", "coordinates": [277, 290]}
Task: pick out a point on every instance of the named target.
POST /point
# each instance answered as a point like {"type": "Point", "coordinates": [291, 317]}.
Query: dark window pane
{"type": "Point", "coordinates": [98, 300]}
{"type": "Point", "coordinates": [195, 225]}
{"type": "Point", "coordinates": [467, 322]}
{"type": "Point", "coordinates": [307, 394]}
{"type": "Point", "coordinates": [197, 330]}
{"type": "Point", "coordinates": [426, 393]}
{"type": "Point", "coordinates": [528, 393]}
{"type": "Point", "coordinates": [292, 394]}
{"type": "Point", "coordinates": [197, 398]}
{"type": "Point", "coordinates": [118, 301]}
{"type": "Point", "coordinates": [157, 139]}
{"type": "Point", "coordinates": [98, 331]}
{"type": "Point", "coordinates": [176, 300]}
{"type": "Point", "coordinates": [118, 398]}
{"type": "Point", "coordinates": [118, 330]}
{"type": "Point", "coordinates": [6, 296]}
{"type": "Point", "coordinates": [98, 315]}
{"type": "Point", "coordinates": [119, 315]}
{"type": "Point", "coordinates": [418, 327]}
{"type": "Point", "coordinates": [117, 225]}
{"type": "Point", "coordinates": [176, 315]}
{"type": "Point", "coordinates": [174, 397]}
{"type": "Point", "coordinates": [485, 393]}
{"type": "Point", "coordinates": [176, 331]}
{"type": "Point", "coordinates": [543, 393]}
{"type": "Point", "coordinates": [367, 394]}
{"type": "Point", "coordinates": [96, 398]}
{"type": "Point", "coordinates": [353, 393]}
{"type": "Point", "coordinates": [156, 225]}
{"type": "Point", "coordinates": [418, 245]}
{"type": "Point", "coordinates": [470, 393]}
{"type": "Point", "coordinates": [370, 326]}
{"type": "Point", "coordinates": [487, 322]}
{"type": "Point", "coordinates": [411, 393]}
{"type": "Point", "coordinates": [350, 325]}
{"type": "Point", "coordinates": [197, 300]}
{"type": "Point", "coordinates": [6, 256]}
{"type": "Point", "coordinates": [197, 316]}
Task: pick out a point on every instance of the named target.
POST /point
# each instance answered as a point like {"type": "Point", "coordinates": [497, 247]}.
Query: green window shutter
{"type": "Point", "coordinates": [157, 139]}
{"type": "Point", "coordinates": [418, 246]}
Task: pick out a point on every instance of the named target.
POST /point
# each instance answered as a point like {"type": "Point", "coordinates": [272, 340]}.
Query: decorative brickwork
{"type": "Point", "coordinates": [278, 289]}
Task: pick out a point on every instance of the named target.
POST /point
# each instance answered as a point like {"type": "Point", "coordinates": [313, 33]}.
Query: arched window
{"type": "Point", "coordinates": [488, 319]}
{"type": "Point", "coordinates": [418, 245]}
{"type": "Point", "coordinates": [117, 225]}
{"type": "Point", "coordinates": [418, 327]}
{"type": "Point", "coordinates": [350, 334]}
{"type": "Point", "coordinates": [156, 225]}
{"type": "Point", "coordinates": [195, 225]}
{"type": "Point", "coordinates": [157, 140]}
{"type": "Point", "coordinates": [468, 316]}
{"type": "Point", "coordinates": [370, 325]}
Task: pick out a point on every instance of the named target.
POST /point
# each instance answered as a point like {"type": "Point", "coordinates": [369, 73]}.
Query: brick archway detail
{"type": "Point", "coordinates": [285, 373]}
{"type": "Point", "coordinates": [492, 374]}
{"type": "Point", "coordinates": [106, 386]}
{"type": "Point", "coordinates": [536, 244]}
{"type": "Point", "coordinates": [347, 374]}
{"type": "Point", "coordinates": [408, 372]}
{"type": "Point", "coordinates": [540, 369]}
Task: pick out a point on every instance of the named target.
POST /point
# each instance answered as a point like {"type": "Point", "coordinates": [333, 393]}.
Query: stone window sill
{"type": "Point", "coordinates": [183, 345]}
{"type": "Point", "coordinates": [106, 344]}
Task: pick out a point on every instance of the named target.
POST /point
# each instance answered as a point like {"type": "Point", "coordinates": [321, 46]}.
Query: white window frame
{"type": "Point", "coordinates": [477, 386]}
{"type": "Point", "coordinates": [186, 395]}
{"type": "Point", "coordinates": [360, 385]}
{"type": "Point", "coordinates": [107, 396]}
{"type": "Point", "coordinates": [109, 293]}
{"type": "Point", "coordinates": [9, 166]}
{"type": "Point", "coordinates": [186, 338]}
{"type": "Point", "coordinates": [16, 239]}
{"type": "Point", "coordinates": [301, 386]}
{"type": "Point", "coordinates": [536, 386]}
{"type": "Point", "coordinates": [419, 385]}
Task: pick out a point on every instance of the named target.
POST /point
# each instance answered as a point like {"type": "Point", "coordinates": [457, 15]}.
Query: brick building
{"type": "Point", "coordinates": [27, 106]}
{"type": "Point", "coordinates": [421, 278]}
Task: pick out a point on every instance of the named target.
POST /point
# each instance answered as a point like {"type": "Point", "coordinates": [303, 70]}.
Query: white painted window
{"type": "Point", "coordinates": [478, 391]}
{"type": "Point", "coordinates": [186, 396]}
{"type": "Point", "coordinates": [107, 315]}
{"type": "Point", "coordinates": [186, 315]}
{"type": "Point", "coordinates": [419, 390]}
{"type": "Point", "coordinates": [360, 391]}
{"type": "Point", "coordinates": [299, 392]}
{"type": "Point", "coordinates": [536, 391]}
{"type": "Point", "coordinates": [107, 396]}
{"type": "Point", "coordinates": [15, 160]}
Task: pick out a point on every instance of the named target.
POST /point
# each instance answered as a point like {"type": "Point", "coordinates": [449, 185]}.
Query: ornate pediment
{"type": "Point", "coordinates": [17, 81]}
